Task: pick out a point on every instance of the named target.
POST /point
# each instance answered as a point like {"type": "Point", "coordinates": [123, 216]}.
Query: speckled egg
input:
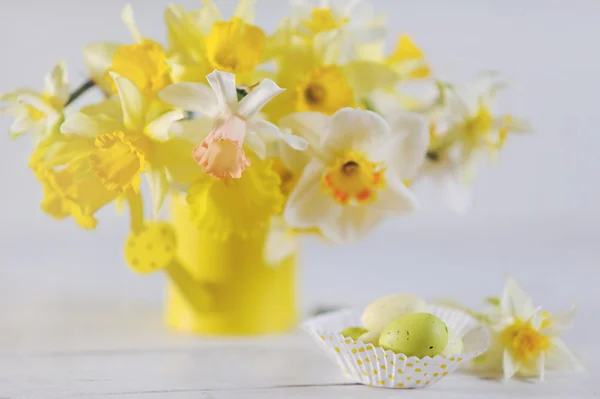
{"type": "Point", "coordinates": [417, 334]}
{"type": "Point", "coordinates": [353, 332]}
{"type": "Point", "coordinates": [454, 346]}
{"type": "Point", "coordinates": [385, 310]}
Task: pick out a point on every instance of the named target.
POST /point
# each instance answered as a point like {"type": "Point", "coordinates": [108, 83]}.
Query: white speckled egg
{"type": "Point", "coordinates": [454, 345]}
{"type": "Point", "coordinates": [379, 314]}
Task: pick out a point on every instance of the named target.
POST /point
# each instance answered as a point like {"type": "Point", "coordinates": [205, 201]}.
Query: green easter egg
{"type": "Point", "coordinates": [417, 334]}
{"type": "Point", "coordinates": [353, 332]}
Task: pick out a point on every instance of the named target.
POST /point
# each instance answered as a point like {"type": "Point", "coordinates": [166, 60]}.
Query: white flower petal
{"type": "Point", "coordinates": [541, 366]}
{"type": "Point", "coordinates": [395, 198]}
{"type": "Point", "coordinates": [368, 34]}
{"type": "Point", "coordinates": [509, 366]}
{"type": "Point", "coordinates": [409, 150]}
{"type": "Point", "coordinates": [133, 103]}
{"type": "Point", "coordinates": [294, 160]}
{"type": "Point", "coordinates": [159, 128]}
{"type": "Point", "coordinates": [256, 144]}
{"type": "Point", "coordinates": [21, 125]}
{"type": "Point", "coordinates": [560, 358]}
{"type": "Point", "coordinates": [281, 243]}
{"type": "Point", "coordinates": [37, 102]}
{"type": "Point", "coordinates": [354, 128]}
{"type": "Point", "coordinates": [223, 85]}
{"type": "Point", "coordinates": [159, 187]}
{"type": "Point", "coordinates": [81, 124]}
{"type": "Point", "coordinates": [515, 301]}
{"type": "Point", "coordinates": [194, 130]}
{"type": "Point", "coordinates": [536, 319]}
{"type": "Point", "coordinates": [270, 132]}
{"type": "Point", "coordinates": [258, 98]}
{"type": "Point", "coordinates": [98, 58]}
{"type": "Point", "coordinates": [245, 10]}
{"type": "Point", "coordinates": [308, 206]}
{"type": "Point", "coordinates": [354, 223]}
{"type": "Point", "coordinates": [195, 97]}
{"type": "Point", "coordinates": [56, 82]}
{"type": "Point", "coordinates": [129, 21]}
{"type": "Point", "coordinates": [310, 125]}
{"type": "Point", "coordinates": [560, 322]}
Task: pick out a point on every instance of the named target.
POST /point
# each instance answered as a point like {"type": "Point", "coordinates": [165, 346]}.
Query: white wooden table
{"type": "Point", "coordinates": [94, 329]}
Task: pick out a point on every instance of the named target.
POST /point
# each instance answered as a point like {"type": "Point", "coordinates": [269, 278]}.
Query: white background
{"type": "Point", "coordinates": [536, 214]}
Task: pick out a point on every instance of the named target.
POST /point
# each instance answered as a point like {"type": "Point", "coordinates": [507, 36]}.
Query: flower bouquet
{"type": "Point", "coordinates": [254, 140]}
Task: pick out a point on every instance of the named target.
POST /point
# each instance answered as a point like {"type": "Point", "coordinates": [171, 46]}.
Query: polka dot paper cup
{"type": "Point", "coordinates": [373, 366]}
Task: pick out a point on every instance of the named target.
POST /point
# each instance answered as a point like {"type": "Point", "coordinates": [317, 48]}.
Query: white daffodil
{"type": "Point", "coordinates": [525, 340]}
{"type": "Point", "coordinates": [464, 132]}
{"type": "Point", "coordinates": [355, 172]}
{"type": "Point", "coordinates": [38, 113]}
{"type": "Point", "coordinates": [345, 25]}
{"type": "Point", "coordinates": [235, 123]}
{"type": "Point", "coordinates": [468, 111]}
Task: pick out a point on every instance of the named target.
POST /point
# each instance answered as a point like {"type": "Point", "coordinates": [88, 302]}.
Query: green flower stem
{"type": "Point", "coordinates": [81, 90]}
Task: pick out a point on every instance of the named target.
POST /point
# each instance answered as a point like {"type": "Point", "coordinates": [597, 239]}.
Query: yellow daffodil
{"type": "Point", "coordinates": [356, 171]}
{"type": "Point", "coordinates": [38, 113]}
{"type": "Point", "coordinates": [221, 153]}
{"type": "Point", "coordinates": [144, 62]}
{"type": "Point", "coordinates": [200, 41]}
{"type": "Point", "coordinates": [61, 164]}
{"type": "Point", "coordinates": [314, 84]}
{"type": "Point", "coordinates": [137, 142]}
{"type": "Point", "coordinates": [236, 207]}
{"type": "Point", "coordinates": [525, 338]}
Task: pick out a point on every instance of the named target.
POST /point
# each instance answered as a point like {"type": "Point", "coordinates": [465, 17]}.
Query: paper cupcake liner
{"type": "Point", "coordinates": [373, 366]}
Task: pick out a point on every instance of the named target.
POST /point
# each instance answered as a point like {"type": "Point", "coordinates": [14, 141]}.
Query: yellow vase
{"type": "Point", "coordinates": [224, 287]}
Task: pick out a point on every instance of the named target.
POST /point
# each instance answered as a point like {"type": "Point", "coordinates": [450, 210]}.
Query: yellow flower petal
{"type": "Point", "coordinates": [366, 76]}
{"type": "Point", "coordinates": [118, 161]}
{"type": "Point", "coordinates": [239, 207]}
{"type": "Point", "coordinates": [70, 189]}
{"type": "Point", "coordinates": [145, 64]}
{"type": "Point", "coordinates": [325, 90]}
{"type": "Point", "coordinates": [235, 46]}
{"type": "Point", "coordinates": [133, 103]}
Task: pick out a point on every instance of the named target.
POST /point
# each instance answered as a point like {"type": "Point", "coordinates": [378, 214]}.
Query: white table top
{"type": "Point", "coordinates": [94, 330]}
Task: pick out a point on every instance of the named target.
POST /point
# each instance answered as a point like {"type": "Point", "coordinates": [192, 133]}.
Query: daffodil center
{"type": "Point", "coordinates": [523, 341]}
{"type": "Point", "coordinates": [354, 179]}
{"type": "Point", "coordinates": [145, 64]}
{"type": "Point", "coordinates": [235, 46]}
{"type": "Point", "coordinates": [323, 20]}
{"type": "Point", "coordinates": [119, 159]}
{"type": "Point", "coordinates": [325, 90]}
{"type": "Point", "coordinates": [315, 93]}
